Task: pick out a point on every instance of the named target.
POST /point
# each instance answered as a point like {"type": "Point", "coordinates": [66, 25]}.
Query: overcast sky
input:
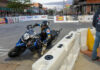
{"type": "Point", "coordinates": [53, 3]}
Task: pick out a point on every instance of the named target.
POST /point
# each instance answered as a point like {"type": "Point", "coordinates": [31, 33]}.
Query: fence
{"type": "Point", "coordinates": [57, 19]}
{"type": "Point", "coordinates": [65, 19]}
{"type": "Point", "coordinates": [10, 20]}
{"type": "Point", "coordinates": [85, 18]}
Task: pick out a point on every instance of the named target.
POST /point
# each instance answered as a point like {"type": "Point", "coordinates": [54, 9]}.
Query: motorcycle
{"type": "Point", "coordinates": [31, 40]}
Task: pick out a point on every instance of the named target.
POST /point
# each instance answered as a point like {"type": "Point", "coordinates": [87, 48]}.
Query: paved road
{"type": "Point", "coordinates": [10, 33]}
{"type": "Point", "coordinates": [85, 63]}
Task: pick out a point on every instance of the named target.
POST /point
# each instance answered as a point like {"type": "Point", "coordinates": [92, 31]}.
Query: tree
{"type": "Point", "coordinates": [26, 1]}
{"type": "Point", "coordinates": [50, 11]}
{"type": "Point", "coordinates": [22, 1]}
{"type": "Point", "coordinates": [16, 4]}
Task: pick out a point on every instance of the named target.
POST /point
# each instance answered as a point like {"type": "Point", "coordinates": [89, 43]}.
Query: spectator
{"type": "Point", "coordinates": [96, 24]}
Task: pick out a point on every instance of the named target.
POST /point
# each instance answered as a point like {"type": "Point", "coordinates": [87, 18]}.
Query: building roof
{"type": "Point", "coordinates": [35, 5]}
{"type": "Point", "coordinates": [4, 1]}
{"type": "Point", "coordinates": [85, 2]}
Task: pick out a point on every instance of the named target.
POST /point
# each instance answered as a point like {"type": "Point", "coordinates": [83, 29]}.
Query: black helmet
{"type": "Point", "coordinates": [44, 23]}
{"type": "Point", "coordinates": [29, 27]}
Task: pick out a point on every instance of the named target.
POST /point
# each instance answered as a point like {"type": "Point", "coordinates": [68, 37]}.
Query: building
{"type": "Point", "coordinates": [86, 6]}
{"type": "Point", "coordinates": [37, 8]}
{"type": "Point", "coordinates": [3, 3]}
{"type": "Point", "coordinates": [38, 5]}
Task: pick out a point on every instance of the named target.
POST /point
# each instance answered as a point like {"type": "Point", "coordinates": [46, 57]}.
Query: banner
{"type": "Point", "coordinates": [59, 18]}
{"type": "Point", "coordinates": [2, 21]}
{"type": "Point", "coordinates": [85, 18]}
{"type": "Point", "coordinates": [43, 17]}
{"type": "Point", "coordinates": [10, 20]}
{"type": "Point", "coordinates": [22, 18]}
{"type": "Point", "coordinates": [29, 18]}
{"type": "Point", "coordinates": [65, 19]}
{"type": "Point", "coordinates": [40, 17]}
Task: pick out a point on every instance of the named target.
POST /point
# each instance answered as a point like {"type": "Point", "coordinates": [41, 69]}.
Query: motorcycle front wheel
{"type": "Point", "coordinates": [16, 51]}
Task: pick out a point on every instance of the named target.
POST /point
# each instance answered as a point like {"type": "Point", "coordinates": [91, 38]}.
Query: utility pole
{"type": "Point", "coordinates": [63, 7]}
{"type": "Point", "coordinates": [55, 11]}
{"type": "Point", "coordinates": [64, 2]}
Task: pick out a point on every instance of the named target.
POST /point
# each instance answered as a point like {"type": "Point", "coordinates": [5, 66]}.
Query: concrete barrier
{"type": "Point", "coordinates": [65, 53]}
{"type": "Point", "coordinates": [35, 17]}
{"type": "Point", "coordinates": [15, 19]}
{"type": "Point", "coordinates": [10, 20]}
{"type": "Point", "coordinates": [56, 56]}
{"type": "Point", "coordinates": [57, 19]}
{"type": "Point", "coordinates": [65, 19]}
{"type": "Point", "coordinates": [85, 18]}
{"type": "Point", "coordinates": [50, 17]}
{"type": "Point", "coordinates": [81, 18]}
{"type": "Point", "coordinates": [83, 38]}
{"type": "Point", "coordinates": [70, 59]}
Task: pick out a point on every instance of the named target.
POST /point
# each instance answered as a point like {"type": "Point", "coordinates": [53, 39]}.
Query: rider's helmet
{"type": "Point", "coordinates": [44, 23]}
{"type": "Point", "coordinates": [29, 27]}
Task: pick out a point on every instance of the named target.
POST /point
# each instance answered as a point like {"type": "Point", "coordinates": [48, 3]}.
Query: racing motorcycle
{"type": "Point", "coordinates": [31, 40]}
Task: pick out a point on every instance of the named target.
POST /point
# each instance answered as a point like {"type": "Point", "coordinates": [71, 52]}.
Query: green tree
{"type": "Point", "coordinates": [26, 1]}
{"type": "Point", "coordinates": [50, 11]}
{"type": "Point", "coordinates": [22, 1]}
{"type": "Point", "coordinates": [16, 4]}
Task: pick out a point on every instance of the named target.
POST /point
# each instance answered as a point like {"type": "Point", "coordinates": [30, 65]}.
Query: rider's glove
{"type": "Point", "coordinates": [35, 25]}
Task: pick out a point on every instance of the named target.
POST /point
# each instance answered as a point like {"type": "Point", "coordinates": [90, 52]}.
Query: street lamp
{"type": "Point", "coordinates": [64, 6]}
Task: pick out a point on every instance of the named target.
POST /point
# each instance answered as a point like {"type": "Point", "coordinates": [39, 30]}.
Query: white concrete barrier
{"type": "Point", "coordinates": [64, 19]}
{"type": "Point", "coordinates": [70, 59]}
{"type": "Point", "coordinates": [40, 17]}
{"type": "Point", "coordinates": [81, 18]}
{"type": "Point", "coordinates": [57, 19]}
{"type": "Point", "coordinates": [58, 54]}
{"type": "Point", "coordinates": [35, 17]}
{"type": "Point", "coordinates": [83, 38]}
{"type": "Point", "coordinates": [65, 53]}
{"type": "Point", "coordinates": [93, 31]}
{"type": "Point", "coordinates": [22, 18]}
{"type": "Point", "coordinates": [85, 18]}
{"type": "Point", "coordinates": [50, 17]}
{"type": "Point", "coordinates": [16, 19]}
{"type": "Point", "coordinates": [10, 20]}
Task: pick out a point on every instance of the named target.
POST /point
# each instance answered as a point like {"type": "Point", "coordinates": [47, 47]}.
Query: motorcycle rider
{"type": "Point", "coordinates": [45, 34]}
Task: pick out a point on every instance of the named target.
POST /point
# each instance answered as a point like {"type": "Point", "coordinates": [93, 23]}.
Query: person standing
{"type": "Point", "coordinates": [96, 24]}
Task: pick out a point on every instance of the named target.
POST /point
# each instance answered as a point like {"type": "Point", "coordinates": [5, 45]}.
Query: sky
{"type": "Point", "coordinates": [58, 4]}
